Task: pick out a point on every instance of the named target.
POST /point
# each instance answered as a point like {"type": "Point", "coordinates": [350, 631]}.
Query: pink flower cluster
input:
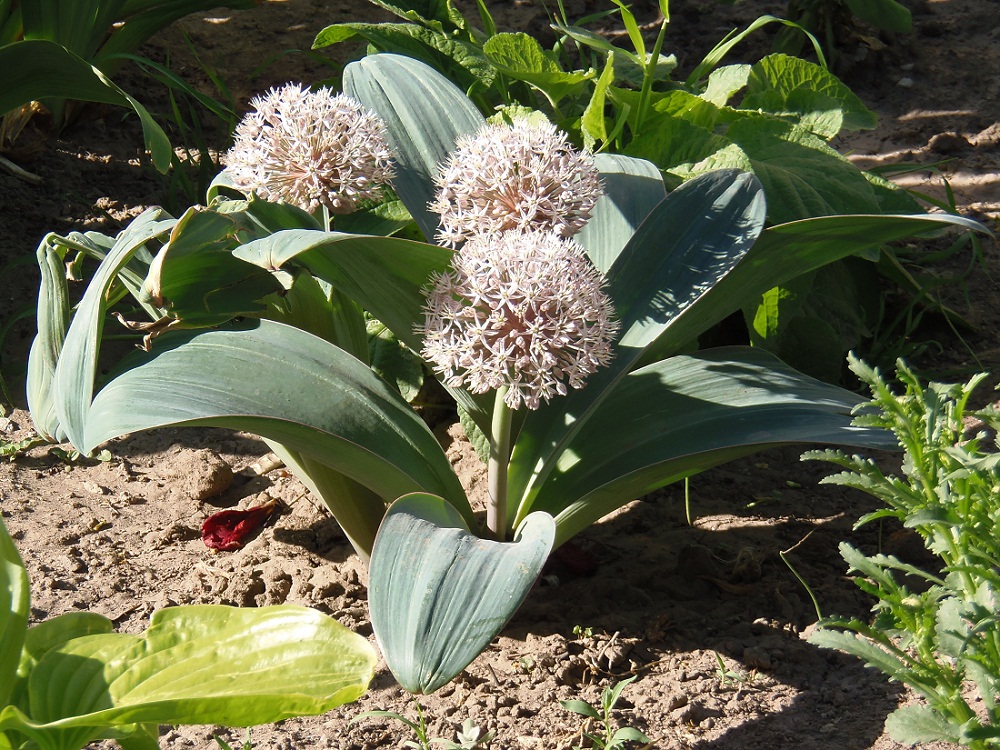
{"type": "Point", "coordinates": [520, 176]}
{"type": "Point", "coordinates": [522, 309]}
{"type": "Point", "coordinates": [310, 148]}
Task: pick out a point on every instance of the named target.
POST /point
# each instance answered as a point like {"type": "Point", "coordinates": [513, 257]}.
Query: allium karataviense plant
{"type": "Point", "coordinates": [438, 590]}
{"type": "Point", "coordinates": [525, 175]}
{"type": "Point", "coordinates": [310, 149]}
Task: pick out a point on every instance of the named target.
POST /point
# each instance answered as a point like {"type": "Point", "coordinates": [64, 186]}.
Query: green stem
{"type": "Point", "coordinates": [496, 512]}
{"type": "Point", "coordinates": [648, 74]}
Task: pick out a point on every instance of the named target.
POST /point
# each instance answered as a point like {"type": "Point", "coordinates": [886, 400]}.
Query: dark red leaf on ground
{"type": "Point", "coordinates": [228, 529]}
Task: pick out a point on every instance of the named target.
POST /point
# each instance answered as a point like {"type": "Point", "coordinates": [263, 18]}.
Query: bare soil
{"type": "Point", "coordinates": [662, 596]}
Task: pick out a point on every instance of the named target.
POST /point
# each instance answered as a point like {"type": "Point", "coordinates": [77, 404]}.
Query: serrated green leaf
{"type": "Point", "coordinates": [917, 724]}
{"type": "Point", "coordinates": [801, 174]}
{"type": "Point", "coordinates": [521, 57]}
{"type": "Point", "coordinates": [858, 646]}
{"type": "Point", "coordinates": [431, 580]}
{"type": "Point", "coordinates": [724, 82]}
{"type": "Point", "coordinates": [781, 83]}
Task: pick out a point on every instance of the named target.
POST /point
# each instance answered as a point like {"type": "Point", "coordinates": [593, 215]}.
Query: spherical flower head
{"type": "Point", "coordinates": [521, 176]}
{"type": "Point", "coordinates": [310, 148]}
{"type": "Point", "coordinates": [518, 309]}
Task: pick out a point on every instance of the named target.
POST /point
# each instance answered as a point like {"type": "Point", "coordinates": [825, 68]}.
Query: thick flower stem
{"type": "Point", "coordinates": [496, 512]}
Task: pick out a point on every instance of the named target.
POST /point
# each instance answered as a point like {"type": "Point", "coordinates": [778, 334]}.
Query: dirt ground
{"type": "Point", "coordinates": [667, 600]}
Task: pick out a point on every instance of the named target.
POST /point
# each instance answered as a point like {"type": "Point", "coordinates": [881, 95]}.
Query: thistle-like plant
{"type": "Point", "coordinates": [310, 149]}
{"type": "Point", "coordinates": [525, 175]}
{"type": "Point", "coordinates": [230, 352]}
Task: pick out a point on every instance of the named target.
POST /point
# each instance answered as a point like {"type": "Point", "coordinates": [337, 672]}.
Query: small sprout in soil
{"type": "Point", "coordinates": [609, 738]}
{"type": "Point", "coordinates": [12, 449]}
{"type": "Point", "coordinates": [245, 745]}
{"type": "Point", "coordinates": [470, 736]}
{"type": "Point", "coordinates": [581, 632]}
{"type": "Point", "coordinates": [729, 676]}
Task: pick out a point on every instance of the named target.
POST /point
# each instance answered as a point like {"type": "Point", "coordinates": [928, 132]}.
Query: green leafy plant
{"type": "Point", "coordinates": [935, 630]}
{"type": "Point", "coordinates": [775, 118]}
{"type": "Point", "coordinates": [609, 737]}
{"type": "Point", "coordinates": [249, 285]}
{"type": "Point", "coordinates": [70, 680]}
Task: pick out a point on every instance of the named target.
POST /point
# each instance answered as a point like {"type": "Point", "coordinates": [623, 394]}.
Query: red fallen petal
{"type": "Point", "coordinates": [227, 529]}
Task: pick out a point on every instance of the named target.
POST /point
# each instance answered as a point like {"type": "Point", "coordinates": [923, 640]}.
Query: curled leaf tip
{"type": "Point", "coordinates": [228, 530]}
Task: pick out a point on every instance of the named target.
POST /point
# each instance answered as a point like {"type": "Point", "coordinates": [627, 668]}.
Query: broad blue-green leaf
{"type": "Point", "coordinates": [781, 83]}
{"type": "Point", "coordinates": [521, 57]}
{"type": "Point", "coordinates": [14, 606]}
{"type": "Point", "coordinates": [42, 69]}
{"type": "Point", "coordinates": [52, 316]}
{"type": "Point", "coordinates": [632, 188]}
{"type": "Point", "coordinates": [200, 664]}
{"type": "Point", "coordinates": [438, 594]}
{"type": "Point", "coordinates": [687, 414]}
{"type": "Point", "coordinates": [352, 421]}
{"type": "Point", "coordinates": [690, 241]}
{"type": "Point", "coordinates": [350, 262]}
{"type": "Point", "coordinates": [74, 376]}
{"type": "Point", "coordinates": [424, 113]}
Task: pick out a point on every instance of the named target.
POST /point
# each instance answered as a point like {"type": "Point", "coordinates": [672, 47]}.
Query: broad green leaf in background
{"type": "Point", "coordinates": [438, 594]}
{"type": "Point", "coordinates": [424, 114]}
{"type": "Point", "coordinates": [200, 664]}
{"type": "Point", "coordinates": [781, 83]}
{"type": "Point", "coordinates": [883, 14]}
{"type": "Point", "coordinates": [42, 69]}
{"type": "Point", "coordinates": [520, 56]}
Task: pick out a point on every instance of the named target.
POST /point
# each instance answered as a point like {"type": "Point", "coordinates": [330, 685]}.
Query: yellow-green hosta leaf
{"type": "Point", "coordinates": [521, 57]}
{"type": "Point", "coordinates": [201, 664]}
{"type": "Point", "coordinates": [438, 594]}
{"type": "Point", "coordinates": [14, 606]}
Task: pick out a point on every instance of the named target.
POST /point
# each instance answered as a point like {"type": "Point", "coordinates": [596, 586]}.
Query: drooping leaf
{"type": "Point", "coordinates": [43, 69]}
{"type": "Point", "coordinates": [75, 371]}
{"type": "Point", "coordinates": [200, 664]}
{"type": "Point", "coordinates": [438, 594]}
{"type": "Point", "coordinates": [355, 423]}
{"type": "Point", "coordinates": [686, 414]}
